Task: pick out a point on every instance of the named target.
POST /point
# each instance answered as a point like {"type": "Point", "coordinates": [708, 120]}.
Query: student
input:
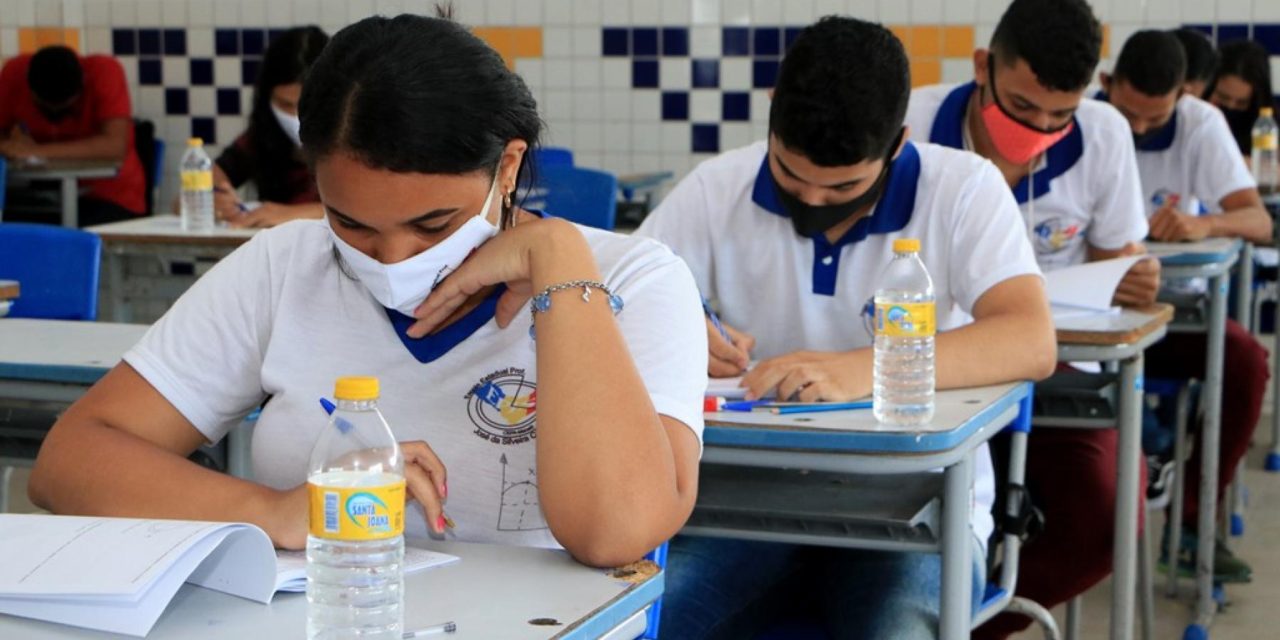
{"type": "Point", "coordinates": [1070, 164]}
{"type": "Point", "coordinates": [598, 418]}
{"type": "Point", "coordinates": [55, 104]}
{"type": "Point", "coordinates": [269, 153]}
{"type": "Point", "coordinates": [1241, 88]}
{"type": "Point", "coordinates": [788, 235]}
{"type": "Point", "coordinates": [1195, 187]}
{"type": "Point", "coordinates": [1202, 60]}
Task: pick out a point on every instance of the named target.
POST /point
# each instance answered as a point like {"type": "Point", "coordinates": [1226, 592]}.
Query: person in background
{"type": "Point", "coordinates": [1202, 60]}
{"type": "Point", "coordinates": [1241, 88]}
{"type": "Point", "coordinates": [55, 104]}
{"type": "Point", "coordinates": [269, 152]}
{"type": "Point", "coordinates": [1195, 187]}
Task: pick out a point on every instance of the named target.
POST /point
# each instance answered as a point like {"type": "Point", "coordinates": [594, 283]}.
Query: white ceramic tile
{"type": "Point", "coordinates": [588, 105]}
{"type": "Point", "coordinates": [177, 127]}
{"type": "Point", "coordinates": [97, 13]}
{"type": "Point", "coordinates": [1102, 9]}
{"type": "Point", "coordinates": [229, 128]}
{"type": "Point", "coordinates": [333, 11]}
{"type": "Point", "coordinates": [586, 42]}
{"type": "Point", "coordinates": [1120, 34]}
{"type": "Point", "coordinates": [734, 135]}
{"type": "Point", "coordinates": [557, 73]}
{"type": "Point", "coordinates": [557, 42]}
{"type": "Point", "coordinates": [704, 105]}
{"type": "Point", "coordinates": [759, 106]}
{"type": "Point", "coordinates": [799, 12]}
{"type": "Point", "coordinates": [589, 138]}
{"type": "Point", "coordinates": [676, 137]}
{"type": "Point", "coordinates": [1197, 10]}
{"type": "Point", "coordinates": [500, 13]}
{"type": "Point", "coordinates": [591, 159]}
{"type": "Point", "coordinates": [766, 12]}
{"type": "Point", "coordinates": [837, 7]}
{"type": "Point", "coordinates": [616, 13]}
{"type": "Point", "coordinates": [760, 127]}
{"type": "Point", "coordinates": [989, 11]}
{"type": "Point", "coordinates": [97, 40]}
{"type": "Point", "coordinates": [1236, 10]}
{"type": "Point", "coordinates": [173, 14]}
{"type": "Point", "coordinates": [559, 12]}
{"type": "Point", "coordinates": [957, 70]}
{"type": "Point", "coordinates": [644, 12]}
{"type": "Point", "coordinates": [246, 101]}
{"type": "Point", "coordinates": [150, 13]}
{"type": "Point", "coordinates": [130, 66]}
{"type": "Point", "coordinates": [177, 71]}
{"type": "Point", "coordinates": [735, 12]}
{"type": "Point", "coordinates": [587, 73]}
{"type": "Point", "coordinates": [150, 102]}
{"type": "Point", "coordinates": [645, 137]}
{"type": "Point", "coordinates": [48, 13]}
{"type": "Point", "coordinates": [646, 162]}
{"type": "Point", "coordinates": [423, 7]}
{"type": "Point", "coordinates": [388, 7]}
{"type": "Point", "coordinates": [674, 74]}
{"type": "Point", "coordinates": [360, 9]}
{"type": "Point", "coordinates": [617, 107]}
{"type": "Point", "coordinates": [617, 163]}
{"type": "Point", "coordinates": [960, 11]}
{"type": "Point", "coordinates": [705, 12]}
{"type": "Point", "coordinates": [982, 35]}
{"type": "Point", "coordinates": [253, 13]}
{"type": "Point", "coordinates": [280, 14]}
{"type": "Point", "coordinates": [586, 12]}
{"type": "Point", "coordinates": [21, 13]}
{"type": "Point", "coordinates": [530, 69]}
{"type": "Point", "coordinates": [893, 11]}
{"type": "Point", "coordinates": [73, 13]}
{"type": "Point", "coordinates": [678, 163]}
{"type": "Point", "coordinates": [1265, 11]}
{"type": "Point", "coordinates": [559, 104]}
{"type": "Point", "coordinates": [1275, 72]}
{"type": "Point", "coordinates": [305, 12]}
{"type": "Point", "coordinates": [925, 11]}
{"type": "Point", "coordinates": [8, 42]}
{"type": "Point", "coordinates": [559, 133]}
{"type": "Point", "coordinates": [735, 73]}
{"type": "Point", "coordinates": [646, 106]}
{"type": "Point", "coordinates": [615, 73]}
{"type": "Point", "coordinates": [202, 101]}
{"type": "Point", "coordinates": [200, 42]}
{"type": "Point", "coordinates": [1126, 12]}
{"type": "Point", "coordinates": [528, 13]}
{"type": "Point", "coordinates": [226, 72]}
{"type": "Point", "coordinates": [678, 12]}
{"type": "Point", "coordinates": [226, 14]}
{"type": "Point", "coordinates": [704, 42]}
{"type": "Point", "coordinates": [200, 13]}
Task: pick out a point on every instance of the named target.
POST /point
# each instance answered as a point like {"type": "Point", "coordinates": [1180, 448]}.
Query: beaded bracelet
{"type": "Point", "coordinates": [542, 302]}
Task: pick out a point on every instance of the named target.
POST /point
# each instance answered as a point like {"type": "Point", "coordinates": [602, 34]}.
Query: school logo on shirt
{"type": "Point", "coordinates": [1054, 235]}
{"type": "Point", "coordinates": [1164, 196]}
{"type": "Point", "coordinates": [503, 407]}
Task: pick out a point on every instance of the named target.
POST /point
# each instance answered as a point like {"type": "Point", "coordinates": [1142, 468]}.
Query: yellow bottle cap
{"type": "Point", "coordinates": [356, 388]}
{"type": "Point", "coordinates": [906, 245]}
{"type": "Point", "coordinates": [195, 142]}
{"type": "Point", "coordinates": [1265, 112]}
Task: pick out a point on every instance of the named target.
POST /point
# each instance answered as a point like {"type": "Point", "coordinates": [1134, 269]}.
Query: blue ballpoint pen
{"type": "Point", "coordinates": [715, 321]}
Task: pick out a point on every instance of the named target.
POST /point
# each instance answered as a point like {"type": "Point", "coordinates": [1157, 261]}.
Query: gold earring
{"type": "Point", "coordinates": [506, 200]}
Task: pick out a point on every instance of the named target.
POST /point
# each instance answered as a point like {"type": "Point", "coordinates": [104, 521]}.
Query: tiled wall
{"type": "Point", "coordinates": [630, 85]}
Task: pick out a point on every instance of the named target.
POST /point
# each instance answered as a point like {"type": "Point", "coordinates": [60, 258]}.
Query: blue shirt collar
{"type": "Point", "coordinates": [948, 131]}
{"type": "Point", "coordinates": [1162, 141]}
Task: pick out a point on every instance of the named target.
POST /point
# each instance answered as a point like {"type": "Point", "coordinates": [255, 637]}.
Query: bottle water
{"type": "Point", "coordinates": [904, 326]}
{"type": "Point", "coordinates": [355, 550]}
{"type": "Point", "coordinates": [197, 187]}
{"type": "Point", "coordinates": [1266, 137]}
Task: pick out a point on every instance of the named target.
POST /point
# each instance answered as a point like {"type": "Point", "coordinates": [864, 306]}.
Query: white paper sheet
{"type": "Point", "coordinates": [1091, 285]}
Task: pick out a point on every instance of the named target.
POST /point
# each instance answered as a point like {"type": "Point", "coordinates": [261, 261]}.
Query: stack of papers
{"type": "Point", "coordinates": [1086, 289]}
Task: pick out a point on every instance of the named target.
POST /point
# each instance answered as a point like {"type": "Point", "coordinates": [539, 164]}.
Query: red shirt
{"type": "Point", "coordinates": [105, 97]}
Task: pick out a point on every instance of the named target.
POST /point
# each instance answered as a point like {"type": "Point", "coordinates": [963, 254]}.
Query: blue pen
{"type": "Point", "coordinates": [244, 209]}
{"type": "Point", "coordinates": [744, 405]}
{"type": "Point", "coordinates": [715, 321]}
{"type": "Point", "coordinates": [817, 408]}
{"type": "Point", "coordinates": [343, 425]}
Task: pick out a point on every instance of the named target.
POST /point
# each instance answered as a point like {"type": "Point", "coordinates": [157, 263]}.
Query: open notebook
{"type": "Point", "coordinates": [119, 574]}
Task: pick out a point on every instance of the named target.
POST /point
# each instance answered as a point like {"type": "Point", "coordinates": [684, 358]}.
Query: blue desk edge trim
{"type": "Point", "coordinates": [68, 374]}
{"type": "Point", "coordinates": [627, 604]}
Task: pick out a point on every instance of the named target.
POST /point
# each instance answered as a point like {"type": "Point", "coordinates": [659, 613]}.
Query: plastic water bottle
{"type": "Point", "coordinates": [355, 550]}
{"type": "Point", "coordinates": [1266, 138]}
{"type": "Point", "coordinates": [904, 326]}
{"type": "Point", "coordinates": [197, 187]}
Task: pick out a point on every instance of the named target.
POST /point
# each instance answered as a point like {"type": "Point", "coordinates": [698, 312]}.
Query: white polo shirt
{"type": "Point", "coordinates": [794, 293]}
{"type": "Point", "coordinates": [279, 318]}
{"type": "Point", "coordinates": [1085, 189]}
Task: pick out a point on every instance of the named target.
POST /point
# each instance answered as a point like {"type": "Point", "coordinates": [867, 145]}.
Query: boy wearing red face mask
{"type": "Point", "coordinates": [1070, 163]}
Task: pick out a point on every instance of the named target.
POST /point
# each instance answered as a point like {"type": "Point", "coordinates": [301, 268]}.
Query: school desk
{"type": "Point", "coordinates": [136, 259]}
{"type": "Point", "coordinates": [1213, 259]}
{"type": "Point", "coordinates": [511, 593]}
{"type": "Point", "coordinates": [1272, 203]}
{"type": "Point", "coordinates": [1121, 339]}
{"type": "Point", "coordinates": [68, 173]}
{"type": "Point", "coordinates": [863, 484]}
{"type": "Point", "coordinates": [9, 289]}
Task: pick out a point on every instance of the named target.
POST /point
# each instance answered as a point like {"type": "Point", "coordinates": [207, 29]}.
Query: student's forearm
{"type": "Point", "coordinates": [997, 349]}
{"type": "Point", "coordinates": [606, 473]}
{"type": "Point", "coordinates": [1251, 223]}
{"type": "Point", "coordinates": [99, 147]}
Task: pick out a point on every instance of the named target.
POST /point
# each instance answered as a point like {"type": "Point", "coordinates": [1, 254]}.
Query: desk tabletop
{"type": "Point", "coordinates": [642, 180]}
{"type": "Point", "coordinates": [494, 592]}
{"type": "Point", "coordinates": [958, 414]}
{"type": "Point", "coordinates": [62, 168]}
{"type": "Point", "coordinates": [167, 229]}
{"type": "Point", "coordinates": [9, 289]}
{"type": "Point", "coordinates": [63, 351]}
{"type": "Point", "coordinates": [1128, 326]}
{"type": "Point", "coordinates": [1201, 252]}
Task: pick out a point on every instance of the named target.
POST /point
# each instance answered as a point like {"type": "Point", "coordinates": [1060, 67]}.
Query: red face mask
{"type": "Point", "coordinates": [1017, 141]}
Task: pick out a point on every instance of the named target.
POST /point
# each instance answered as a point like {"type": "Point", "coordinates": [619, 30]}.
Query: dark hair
{"type": "Point", "coordinates": [415, 94]}
{"type": "Point", "coordinates": [1152, 62]}
{"type": "Point", "coordinates": [1251, 62]}
{"type": "Point", "coordinates": [1202, 58]}
{"type": "Point", "coordinates": [841, 93]}
{"type": "Point", "coordinates": [54, 75]}
{"type": "Point", "coordinates": [287, 60]}
{"type": "Point", "coordinates": [1059, 39]}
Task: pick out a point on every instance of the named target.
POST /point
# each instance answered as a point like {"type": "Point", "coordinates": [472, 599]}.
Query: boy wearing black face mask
{"type": "Point", "coordinates": [1196, 187]}
{"type": "Point", "coordinates": [55, 104]}
{"type": "Point", "coordinates": [789, 236]}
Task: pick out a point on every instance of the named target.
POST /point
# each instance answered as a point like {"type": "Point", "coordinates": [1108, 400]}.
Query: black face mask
{"type": "Point", "coordinates": [810, 220]}
{"type": "Point", "coordinates": [1141, 140]}
{"type": "Point", "coordinates": [1241, 122]}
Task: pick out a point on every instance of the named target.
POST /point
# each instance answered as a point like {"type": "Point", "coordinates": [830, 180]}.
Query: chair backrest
{"type": "Point", "coordinates": [552, 157]}
{"type": "Point", "coordinates": [144, 137]}
{"type": "Point", "coordinates": [57, 269]}
{"type": "Point", "coordinates": [584, 196]}
{"type": "Point", "coordinates": [157, 167]}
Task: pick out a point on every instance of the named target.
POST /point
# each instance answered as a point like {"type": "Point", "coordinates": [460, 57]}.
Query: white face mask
{"type": "Point", "coordinates": [404, 285]}
{"type": "Point", "coordinates": [289, 124]}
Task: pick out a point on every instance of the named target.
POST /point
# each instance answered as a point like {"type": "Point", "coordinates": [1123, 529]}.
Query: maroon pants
{"type": "Point", "coordinates": [1071, 474]}
{"type": "Point", "coordinates": [1244, 381]}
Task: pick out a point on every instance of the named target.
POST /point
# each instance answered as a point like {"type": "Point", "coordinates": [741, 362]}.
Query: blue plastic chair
{"type": "Point", "coordinates": [157, 165]}
{"type": "Point", "coordinates": [57, 269]}
{"type": "Point", "coordinates": [4, 184]}
{"type": "Point", "coordinates": [552, 157]}
{"type": "Point", "coordinates": [584, 196]}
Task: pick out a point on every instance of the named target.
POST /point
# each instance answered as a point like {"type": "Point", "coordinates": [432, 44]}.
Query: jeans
{"type": "Point", "coordinates": [726, 588]}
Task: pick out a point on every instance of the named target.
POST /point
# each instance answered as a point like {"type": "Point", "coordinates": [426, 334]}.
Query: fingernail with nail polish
{"type": "Point", "coordinates": [440, 524]}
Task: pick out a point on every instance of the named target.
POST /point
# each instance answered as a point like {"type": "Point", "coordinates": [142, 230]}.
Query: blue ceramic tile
{"type": "Point", "coordinates": [705, 73]}
{"type": "Point", "coordinates": [644, 74]}
{"type": "Point", "coordinates": [1206, 29]}
{"type": "Point", "coordinates": [228, 102]}
{"type": "Point", "coordinates": [226, 42]}
{"type": "Point", "coordinates": [175, 102]}
{"type": "Point", "coordinates": [249, 70]}
{"type": "Point", "coordinates": [735, 106]}
{"type": "Point", "coordinates": [1232, 32]}
{"type": "Point", "coordinates": [201, 71]}
{"type": "Point", "coordinates": [253, 42]}
{"type": "Point", "coordinates": [124, 42]}
{"type": "Point", "coordinates": [706, 138]}
{"type": "Point", "coordinates": [764, 73]}
{"type": "Point", "coordinates": [175, 42]}
{"type": "Point", "coordinates": [1268, 35]}
{"type": "Point", "coordinates": [272, 34]}
{"type": "Point", "coordinates": [149, 42]}
{"type": "Point", "coordinates": [149, 72]}
{"type": "Point", "coordinates": [644, 41]}
{"type": "Point", "coordinates": [735, 41]}
{"type": "Point", "coordinates": [675, 105]}
{"type": "Point", "coordinates": [768, 41]}
{"type": "Point", "coordinates": [675, 41]}
{"type": "Point", "coordinates": [790, 35]}
{"type": "Point", "coordinates": [615, 41]}
{"type": "Point", "coordinates": [206, 129]}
